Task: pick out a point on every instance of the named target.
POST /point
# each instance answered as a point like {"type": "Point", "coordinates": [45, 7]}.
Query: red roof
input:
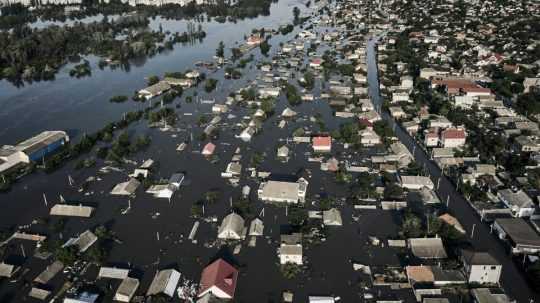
{"type": "Point", "coordinates": [453, 133]}
{"type": "Point", "coordinates": [476, 90]}
{"type": "Point", "coordinates": [208, 149]}
{"type": "Point", "coordinates": [322, 141]}
{"type": "Point", "coordinates": [365, 122]}
{"type": "Point", "coordinates": [221, 275]}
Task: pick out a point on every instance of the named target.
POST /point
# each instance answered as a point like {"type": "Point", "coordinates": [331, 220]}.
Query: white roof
{"type": "Point", "coordinates": [71, 210]}
{"type": "Point", "coordinates": [280, 190]}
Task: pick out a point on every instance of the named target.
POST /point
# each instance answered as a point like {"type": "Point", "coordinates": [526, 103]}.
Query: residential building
{"type": "Point", "coordinates": [416, 182]}
{"type": "Point", "coordinates": [453, 137]}
{"type": "Point", "coordinates": [126, 290]}
{"type": "Point", "coordinates": [164, 282]}
{"type": "Point", "coordinates": [427, 248]}
{"type": "Point", "coordinates": [283, 192]}
{"type": "Point", "coordinates": [519, 202]}
{"type": "Point", "coordinates": [431, 139]}
{"type": "Point", "coordinates": [232, 228]}
{"type": "Point", "coordinates": [290, 253]}
{"type": "Point", "coordinates": [12, 158]}
{"type": "Point", "coordinates": [219, 279]}
{"type": "Point", "coordinates": [481, 267]}
{"type": "Point", "coordinates": [154, 90]}
{"type": "Point", "coordinates": [322, 144]}
{"type": "Point", "coordinates": [208, 149]}
{"type": "Point", "coordinates": [520, 235]}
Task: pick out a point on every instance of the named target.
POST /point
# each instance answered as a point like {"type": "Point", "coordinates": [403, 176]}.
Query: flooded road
{"type": "Point", "coordinates": [153, 234]}
{"type": "Point", "coordinates": [512, 279]}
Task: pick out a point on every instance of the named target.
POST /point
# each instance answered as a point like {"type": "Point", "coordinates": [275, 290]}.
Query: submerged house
{"type": "Point", "coordinates": [154, 90]}
{"type": "Point", "coordinates": [164, 282]}
{"type": "Point", "coordinates": [283, 192]}
{"type": "Point", "coordinates": [232, 228]}
{"type": "Point", "coordinates": [71, 210]}
{"type": "Point", "coordinates": [127, 188]}
{"type": "Point", "coordinates": [126, 290]}
{"type": "Point", "coordinates": [218, 279]}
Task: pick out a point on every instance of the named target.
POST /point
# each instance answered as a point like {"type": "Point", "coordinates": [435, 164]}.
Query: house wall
{"type": "Point", "coordinates": [40, 153]}
{"type": "Point", "coordinates": [485, 274]}
{"type": "Point", "coordinates": [453, 142]}
{"type": "Point", "coordinates": [295, 259]}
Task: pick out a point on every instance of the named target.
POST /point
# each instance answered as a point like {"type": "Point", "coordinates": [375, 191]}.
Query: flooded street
{"type": "Point", "coordinates": [154, 232]}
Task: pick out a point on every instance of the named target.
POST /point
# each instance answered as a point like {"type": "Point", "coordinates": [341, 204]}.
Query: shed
{"type": "Point", "coordinates": [256, 227]}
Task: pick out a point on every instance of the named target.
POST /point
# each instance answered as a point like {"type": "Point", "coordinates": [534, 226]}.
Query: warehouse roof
{"type": "Point", "coordinates": [40, 141]}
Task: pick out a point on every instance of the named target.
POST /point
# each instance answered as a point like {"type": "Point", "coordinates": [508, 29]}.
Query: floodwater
{"type": "Point", "coordinates": [58, 104]}
{"type": "Point", "coordinates": [82, 106]}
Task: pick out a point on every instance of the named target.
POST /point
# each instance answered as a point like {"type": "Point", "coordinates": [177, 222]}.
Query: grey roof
{"type": "Point", "coordinates": [71, 210]}
{"type": "Point", "coordinates": [290, 249]}
{"type": "Point", "coordinates": [128, 287]}
{"type": "Point", "coordinates": [479, 258]}
{"type": "Point", "coordinates": [452, 276]}
{"type": "Point", "coordinates": [40, 141]}
{"type": "Point", "coordinates": [280, 190]}
{"type": "Point", "coordinates": [435, 300]}
{"type": "Point", "coordinates": [126, 188]}
{"type": "Point", "coordinates": [256, 227]}
{"type": "Point", "coordinates": [177, 178]}
{"type": "Point", "coordinates": [294, 238]}
{"type": "Point", "coordinates": [85, 240]}
{"type": "Point", "coordinates": [232, 223]}
{"type": "Point", "coordinates": [157, 88]}
{"type": "Point", "coordinates": [519, 199]}
{"type": "Point", "coordinates": [486, 295]}
{"type": "Point", "coordinates": [6, 270]}
{"type": "Point", "coordinates": [427, 248]}
{"type": "Point", "coordinates": [519, 231]}
{"type": "Point", "coordinates": [161, 281]}
{"type": "Point", "coordinates": [49, 272]}
{"type": "Point", "coordinates": [332, 217]}
{"type": "Point", "coordinates": [38, 293]}
{"type": "Point", "coordinates": [113, 273]}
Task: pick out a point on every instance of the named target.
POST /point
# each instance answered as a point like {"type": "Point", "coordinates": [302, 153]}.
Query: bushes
{"type": "Point", "coordinates": [118, 99]}
{"type": "Point", "coordinates": [210, 85]}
